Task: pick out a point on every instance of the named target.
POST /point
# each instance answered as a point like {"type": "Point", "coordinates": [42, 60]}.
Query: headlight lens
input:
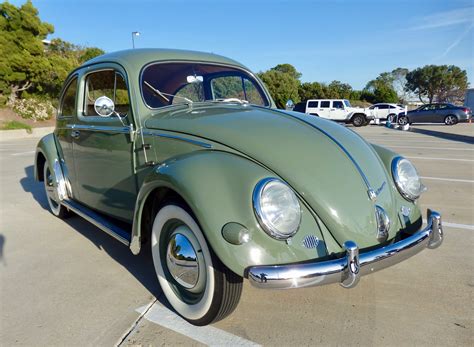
{"type": "Point", "coordinates": [406, 179]}
{"type": "Point", "coordinates": [277, 208]}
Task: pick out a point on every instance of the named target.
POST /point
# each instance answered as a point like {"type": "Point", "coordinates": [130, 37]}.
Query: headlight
{"type": "Point", "coordinates": [277, 208]}
{"type": "Point", "coordinates": [406, 179]}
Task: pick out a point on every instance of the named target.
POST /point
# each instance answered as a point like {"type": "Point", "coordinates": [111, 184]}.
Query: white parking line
{"type": "Point", "coordinates": [455, 225]}
{"type": "Point", "coordinates": [447, 179]}
{"type": "Point", "coordinates": [433, 158]}
{"type": "Point", "coordinates": [23, 153]}
{"type": "Point", "coordinates": [208, 335]}
{"type": "Point", "coordinates": [435, 148]}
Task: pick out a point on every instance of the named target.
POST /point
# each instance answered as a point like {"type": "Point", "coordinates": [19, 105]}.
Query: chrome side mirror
{"type": "Point", "coordinates": [104, 106]}
{"type": "Point", "coordinates": [290, 105]}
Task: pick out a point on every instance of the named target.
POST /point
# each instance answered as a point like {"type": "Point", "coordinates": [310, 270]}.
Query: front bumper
{"type": "Point", "coordinates": [347, 270]}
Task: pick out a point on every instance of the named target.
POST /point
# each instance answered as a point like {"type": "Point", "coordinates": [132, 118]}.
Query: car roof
{"type": "Point", "coordinates": [142, 56]}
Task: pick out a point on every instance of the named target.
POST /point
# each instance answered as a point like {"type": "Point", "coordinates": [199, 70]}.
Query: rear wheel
{"type": "Point", "coordinates": [358, 120]}
{"type": "Point", "coordinates": [195, 282]}
{"type": "Point", "coordinates": [450, 120]}
{"type": "Point", "coordinates": [52, 194]}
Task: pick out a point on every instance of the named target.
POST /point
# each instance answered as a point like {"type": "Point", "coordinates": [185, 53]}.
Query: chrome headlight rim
{"type": "Point", "coordinates": [396, 178]}
{"type": "Point", "coordinates": [256, 200]}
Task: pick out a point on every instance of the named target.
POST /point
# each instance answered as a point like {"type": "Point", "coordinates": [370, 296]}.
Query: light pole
{"type": "Point", "coordinates": [134, 33]}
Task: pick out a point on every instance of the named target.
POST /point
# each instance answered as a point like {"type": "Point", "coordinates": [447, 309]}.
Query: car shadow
{"type": "Point", "coordinates": [443, 135]}
{"type": "Point", "coordinates": [140, 266]}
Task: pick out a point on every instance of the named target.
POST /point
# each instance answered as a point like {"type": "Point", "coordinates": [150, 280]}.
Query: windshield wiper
{"type": "Point", "coordinates": [163, 95]}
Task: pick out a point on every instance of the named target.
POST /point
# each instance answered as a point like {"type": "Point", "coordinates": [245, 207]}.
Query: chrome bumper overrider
{"type": "Point", "coordinates": [347, 270]}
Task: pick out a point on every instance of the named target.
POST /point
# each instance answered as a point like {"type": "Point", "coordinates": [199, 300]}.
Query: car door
{"type": "Point", "coordinates": [324, 109]}
{"type": "Point", "coordinates": [67, 113]}
{"type": "Point", "coordinates": [102, 146]}
{"type": "Point", "coordinates": [312, 107]}
{"type": "Point", "coordinates": [337, 111]}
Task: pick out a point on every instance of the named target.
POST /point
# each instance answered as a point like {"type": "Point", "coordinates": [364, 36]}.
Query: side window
{"type": "Point", "coordinates": [106, 83]}
{"type": "Point", "coordinates": [68, 103]}
{"type": "Point", "coordinates": [313, 104]}
{"type": "Point", "coordinates": [337, 104]}
{"type": "Point", "coordinates": [325, 104]}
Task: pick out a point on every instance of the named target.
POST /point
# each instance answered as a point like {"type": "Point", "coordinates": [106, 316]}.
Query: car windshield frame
{"type": "Point", "coordinates": [247, 74]}
{"type": "Point", "coordinates": [347, 103]}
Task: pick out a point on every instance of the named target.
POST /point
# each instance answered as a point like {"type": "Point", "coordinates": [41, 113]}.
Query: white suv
{"type": "Point", "coordinates": [339, 110]}
{"type": "Point", "coordinates": [384, 111]}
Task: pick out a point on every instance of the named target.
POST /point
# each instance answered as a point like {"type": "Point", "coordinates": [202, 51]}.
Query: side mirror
{"type": "Point", "coordinates": [104, 106]}
{"type": "Point", "coordinates": [290, 105]}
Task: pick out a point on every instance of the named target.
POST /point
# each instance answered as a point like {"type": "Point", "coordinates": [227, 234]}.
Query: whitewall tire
{"type": "Point", "coordinates": [202, 290]}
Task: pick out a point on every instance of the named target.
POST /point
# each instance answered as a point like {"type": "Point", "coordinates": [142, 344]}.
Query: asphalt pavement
{"type": "Point", "coordinates": [66, 283]}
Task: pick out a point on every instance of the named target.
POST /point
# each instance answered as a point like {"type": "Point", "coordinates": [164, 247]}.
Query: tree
{"type": "Point", "coordinates": [381, 89]}
{"type": "Point", "coordinates": [338, 90]}
{"type": "Point", "coordinates": [312, 90]}
{"type": "Point", "coordinates": [438, 82]}
{"type": "Point", "coordinates": [22, 60]}
{"type": "Point", "coordinates": [282, 81]}
{"type": "Point", "coordinates": [399, 84]}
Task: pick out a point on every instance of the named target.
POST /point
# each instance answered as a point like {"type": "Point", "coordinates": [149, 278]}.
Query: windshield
{"type": "Point", "coordinates": [347, 103]}
{"type": "Point", "coordinates": [165, 84]}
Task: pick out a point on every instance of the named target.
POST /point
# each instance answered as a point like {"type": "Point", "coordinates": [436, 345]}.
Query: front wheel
{"type": "Point", "coordinates": [358, 120]}
{"type": "Point", "coordinates": [402, 120]}
{"type": "Point", "coordinates": [450, 120]}
{"type": "Point", "coordinates": [198, 286]}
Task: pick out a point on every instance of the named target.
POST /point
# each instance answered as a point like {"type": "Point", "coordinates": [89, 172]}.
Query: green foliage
{"type": "Point", "coordinates": [34, 109]}
{"type": "Point", "coordinates": [26, 63]}
{"type": "Point", "coordinates": [283, 83]}
{"type": "Point", "coordinates": [22, 59]}
{"type": "Point", "coordinates": [438, 82]}
{"type": "Point", "coordinates": [14, 125]}
{"type": "Point", "coordinates": [381, 89]}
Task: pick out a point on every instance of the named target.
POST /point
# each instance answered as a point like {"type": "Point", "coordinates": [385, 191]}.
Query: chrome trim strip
{"type": "Point", "coordinates": [118, 129]}
{"type": "Point", "coordinates": [179, 138]}
{"type": "Point", "coordinates": [346, 270]}
{"type": "Point", "coordinates": [97, 220]}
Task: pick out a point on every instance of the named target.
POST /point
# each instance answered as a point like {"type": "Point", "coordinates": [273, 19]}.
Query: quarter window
{"type": "Point", "coordinates": [313, 104]}
{"type": "Point", "coordinates": [68, 104]}
{"type": "Point", "coordinates": [107, 83]}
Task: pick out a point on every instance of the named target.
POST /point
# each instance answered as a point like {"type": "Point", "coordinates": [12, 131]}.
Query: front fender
{"type": "Point", "coordinates": [218, 188]}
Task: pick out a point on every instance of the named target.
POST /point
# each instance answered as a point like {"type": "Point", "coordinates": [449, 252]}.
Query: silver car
{"type": "Point", "coordinates": [436, 113]}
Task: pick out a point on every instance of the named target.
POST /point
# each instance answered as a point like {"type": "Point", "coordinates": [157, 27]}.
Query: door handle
{"type": "Point", "coordinates": [75, 134]}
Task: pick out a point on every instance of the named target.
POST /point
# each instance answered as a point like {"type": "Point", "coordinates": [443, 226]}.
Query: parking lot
{"type": "Point", "coordinates": [68, 283]}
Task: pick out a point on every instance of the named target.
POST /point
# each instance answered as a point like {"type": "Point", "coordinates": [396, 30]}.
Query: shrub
{"type": "Point", "coordinates": [13, 125]}
{"type": "Point", "coordinates": [34, 109]}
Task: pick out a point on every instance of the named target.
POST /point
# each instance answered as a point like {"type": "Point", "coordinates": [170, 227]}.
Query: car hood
{"type": "Point", "coordinates": [311, 154]}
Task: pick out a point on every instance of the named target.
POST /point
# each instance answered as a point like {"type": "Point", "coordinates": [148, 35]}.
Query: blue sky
{"type": "Point", "coordinates": [349, 41]}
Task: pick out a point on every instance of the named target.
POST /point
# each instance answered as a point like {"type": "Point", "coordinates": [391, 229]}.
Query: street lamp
{"type": "Point", "coordinates": [134, 33]}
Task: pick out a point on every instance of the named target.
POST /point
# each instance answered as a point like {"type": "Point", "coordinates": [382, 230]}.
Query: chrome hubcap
{"type": "Point", "coordinates": [49, 188]}
{"type": "Point", "coordinates": [182, 260]}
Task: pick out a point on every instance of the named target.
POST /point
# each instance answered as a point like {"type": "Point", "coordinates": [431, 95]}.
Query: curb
{"type": "Point", "coordinates": [6, 135]}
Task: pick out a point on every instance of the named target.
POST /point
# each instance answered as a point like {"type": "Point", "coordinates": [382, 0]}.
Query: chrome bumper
{"type": "Point", "coordinates": [347, 270]}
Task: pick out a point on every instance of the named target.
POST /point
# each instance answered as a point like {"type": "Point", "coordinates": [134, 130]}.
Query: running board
{"type": "Point", "coordinates": [99, 221]}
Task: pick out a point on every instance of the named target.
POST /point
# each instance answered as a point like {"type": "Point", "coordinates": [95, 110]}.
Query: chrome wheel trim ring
{"type": "Point", "coordinates": [51, 191]}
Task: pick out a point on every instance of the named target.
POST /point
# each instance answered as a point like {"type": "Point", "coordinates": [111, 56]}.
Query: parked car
{"type": "Point", "coordinates": [384, 111]}
{"type": "Point", "coordinates": [185, 153]}
{"type": "Point", "coordinates": [469, 98]}
{"type": "Point", "coordinates": [436, 113]}
{"type": "Point", "coordinates": [337, 110]}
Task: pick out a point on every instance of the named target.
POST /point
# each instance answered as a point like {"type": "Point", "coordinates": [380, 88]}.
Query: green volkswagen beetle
{"type": "Point", "coordinates": [185, 153]}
